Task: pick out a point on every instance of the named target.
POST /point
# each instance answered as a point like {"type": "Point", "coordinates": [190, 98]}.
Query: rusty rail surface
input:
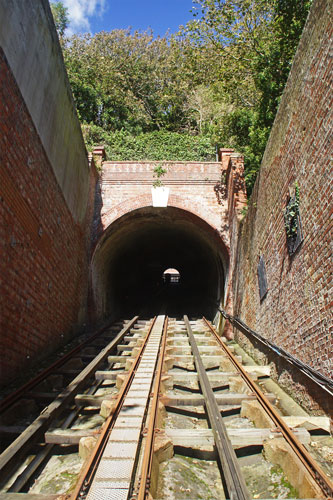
{"type": "Point", "coordinates": [312, 467]}
{"type": "Point", "coordinates": [7, 401]}
{"type": "Point", "coordinates": [36, 429]}
{"type": "Point", "coordinates": [89, 469]}
{"type": "Point", "coordinates": [231, 470]}
{"type": "Point", "coordinates": [149, 445]}
{"type": "Point", "coordinates": [140, 490]}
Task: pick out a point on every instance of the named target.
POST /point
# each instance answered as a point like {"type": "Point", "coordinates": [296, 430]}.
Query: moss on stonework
{"type": "Point", "coordinates": [265, 480]}
{"type": "Point", "coordinates": [59, 476]}
{"type": "Point", "coordinates": [188, 478]}
{"type": "Point", "coordinates": [280, 480]}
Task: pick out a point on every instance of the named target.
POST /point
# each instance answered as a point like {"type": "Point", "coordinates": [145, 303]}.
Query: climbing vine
{"type": "Point", "coordinates": [159, 171]}
{"type": "Point", "coordinates": [292, 221]}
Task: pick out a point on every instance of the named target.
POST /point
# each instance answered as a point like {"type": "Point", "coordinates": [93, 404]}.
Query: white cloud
{"type": "Point", "coordinates": [79, 12]}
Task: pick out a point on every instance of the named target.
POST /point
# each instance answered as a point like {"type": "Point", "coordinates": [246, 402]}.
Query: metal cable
{"type": "Point", "coordinates": [317, 377]}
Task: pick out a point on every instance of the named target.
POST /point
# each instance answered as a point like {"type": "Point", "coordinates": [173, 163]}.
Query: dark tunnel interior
{"type": "Point", "coordinates": [129, 262]}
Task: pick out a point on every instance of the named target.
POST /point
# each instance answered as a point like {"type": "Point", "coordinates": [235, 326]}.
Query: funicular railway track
{"type": "Point", "coordinates": [70, 365]}
{"type": "Point", "coordinates": [165, 375]}
{"type": "Point", "coordinates": [60, 367]}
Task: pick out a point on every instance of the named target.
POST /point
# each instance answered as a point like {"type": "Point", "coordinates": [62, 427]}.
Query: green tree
{"type": "Point", "coordinates": [129, 80]}
{"type": "Point", "coordinates": [60, 16]}
{"type": "Point", "coordinates": [256, 41]}
{"type": "Point", "coordinates": [221, 77]}
{"type": "Point", "coordinates": [271, 67]}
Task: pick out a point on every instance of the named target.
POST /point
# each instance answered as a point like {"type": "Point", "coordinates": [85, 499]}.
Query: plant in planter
{"type": "Point", "coordinates": [159, 171]}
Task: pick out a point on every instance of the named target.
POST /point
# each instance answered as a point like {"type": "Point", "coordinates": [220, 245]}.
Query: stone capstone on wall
{"type": "Point", "coordinates": [29, 40]}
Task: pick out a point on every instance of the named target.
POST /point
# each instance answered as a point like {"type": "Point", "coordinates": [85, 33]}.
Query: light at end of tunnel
{"type": "Point", "coordinates": [171, 275]}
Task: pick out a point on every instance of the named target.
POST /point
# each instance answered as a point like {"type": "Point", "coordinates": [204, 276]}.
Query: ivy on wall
{"type": "Point", "coordinates": [292, 222]}
{"type": "Point", "coordinates": [159, 145]}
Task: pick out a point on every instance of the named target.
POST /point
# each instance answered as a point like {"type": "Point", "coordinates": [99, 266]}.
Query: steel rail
{"type": "Point", "coordinates": [232, 474]}
{"type": "Point", "coordinates": [14, 396]}
{"type": "Point", "coordinates": [21, 481]}
{"type": "Point", "coordinates": [25, 476]}
{"type": "Point", "coordinates": [149, 444]}
{"type": "Point", "coordinates": [36, 429]}
{"type": "Point", "coordinates": [312, 467]}
{"type": "Point", "coordinates": [315, 376]}
{"type": "Point", "coordinates": [89, 468]}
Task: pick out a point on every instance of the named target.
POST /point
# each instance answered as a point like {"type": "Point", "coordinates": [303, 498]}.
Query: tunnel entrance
{"type": "Point", "coordinates": [171, 277]}
{"type": "Point", "coordinates": [134, 253]}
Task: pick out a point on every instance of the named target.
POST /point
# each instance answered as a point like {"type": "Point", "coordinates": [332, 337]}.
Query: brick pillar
{"type": "Point", "coordinates": [239, 187]}
{"type": "Point", "coordinates": [233, 166]}
{"type": "Point", "coordinates": [224, 156]}
{"type": "Point", "coordinates": [228, 329]}
{"type": "Point", "coordinates": [99, 156]}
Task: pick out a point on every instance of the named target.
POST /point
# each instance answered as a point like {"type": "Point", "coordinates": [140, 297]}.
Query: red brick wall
{"type": "Point", "coordinates": [206, 189]}
{"type": "Point", "coordinates": [44, 264]}
{"type": "Point", "coordinates": [193, 185]}
{"type": "Point", "coordinates": [297, 311]}
{"type": "Point", "coordinates": [210, 191]}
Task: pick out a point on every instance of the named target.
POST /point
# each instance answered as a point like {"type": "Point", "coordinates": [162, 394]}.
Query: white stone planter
{"type": "Point", "coordinates": [160, 196]}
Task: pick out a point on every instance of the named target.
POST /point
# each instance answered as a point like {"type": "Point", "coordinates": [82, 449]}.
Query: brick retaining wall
{"type": "Point", "coordinates": [44, 258]}
{"type": "Point", "coordinates": [296, 313]}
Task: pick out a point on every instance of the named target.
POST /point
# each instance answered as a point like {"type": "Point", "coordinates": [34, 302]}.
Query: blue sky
{"type": "Point", "coordinates": [98, 15]}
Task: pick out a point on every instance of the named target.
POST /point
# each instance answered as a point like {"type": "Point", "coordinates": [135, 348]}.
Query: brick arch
{"type": "Point", "coordinates": [187, 204]}
{"type": "Point", "coordinates": [192, 211]}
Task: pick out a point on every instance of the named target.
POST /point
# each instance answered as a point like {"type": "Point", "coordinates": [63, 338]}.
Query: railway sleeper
{"type": "Point", "coordinates": [186, 437]}
{"type": "Point", "coordinates": [192, 442]}
{"type": "Point", "coordinates": [170, 380]}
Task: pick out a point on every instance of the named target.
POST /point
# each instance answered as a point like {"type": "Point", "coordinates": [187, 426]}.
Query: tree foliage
{"type": "Point", "coordinates": [219, 80]}
{"type": "Point", "coordinates": [60, 16]}
{"type": "Point", "coordinates": [129, 80]}
{"type": "Point", "coordinates": [256, 41]}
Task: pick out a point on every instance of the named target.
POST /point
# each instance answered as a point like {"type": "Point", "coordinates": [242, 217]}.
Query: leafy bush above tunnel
{"type": "Point", "coordinates": [217, 81]}
{"type": "Point", "coordinates": [157, 145]}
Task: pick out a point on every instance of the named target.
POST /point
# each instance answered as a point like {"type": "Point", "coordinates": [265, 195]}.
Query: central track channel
{"type": "Point", "coordinates": [115, 469]}
{"type": "Point", "coordinates": [168, 410]}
